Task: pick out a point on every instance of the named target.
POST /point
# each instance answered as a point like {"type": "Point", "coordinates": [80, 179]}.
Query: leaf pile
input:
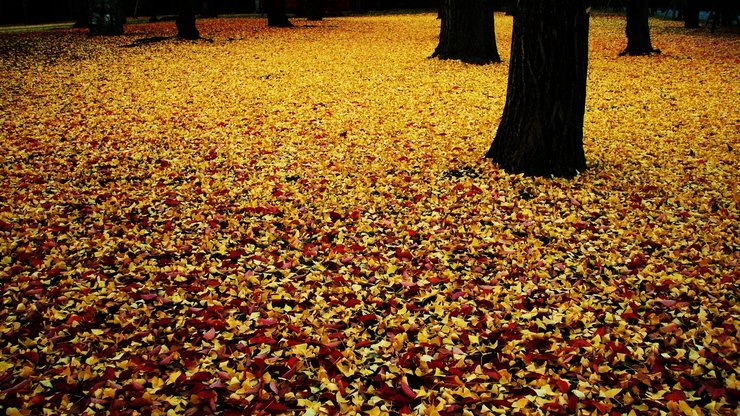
{"type": "Point", "coordinates": [300, 221]}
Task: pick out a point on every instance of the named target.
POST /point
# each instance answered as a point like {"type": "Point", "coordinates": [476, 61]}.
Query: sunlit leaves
{"type": "Point", "coordinates": [300, 220]}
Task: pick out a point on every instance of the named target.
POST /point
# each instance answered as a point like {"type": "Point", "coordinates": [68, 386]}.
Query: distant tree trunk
{"type": "Point", "coordinates": [82, 14]}
{"type": "Point", "coordinates": [541, 130]}
{"type": "Point", "coordinates": [638, 29]}
{"type": "Point", "coordinates": [315, 10]}
{"type": "Point", "coordinates": [276, 16]}
{"type": "Point", "coordinates": [467, 32]}
{"type": "Point", "coordinates": [691, 13]}
{"type": "Point", "coordinates": [106, 17]}
{"type": "Point", "coordinates": [186, 20]}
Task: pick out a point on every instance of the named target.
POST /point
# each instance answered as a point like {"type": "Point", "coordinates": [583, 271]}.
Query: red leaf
{"type": "Point", "coordinates": [266, 322]}
{"type": "Point", "coordinates": [209, 335]}
{"type": "Point", "coordinates": [579, 343]}
{"type": "Point", "coordinates": [367, 318]}
{"type": "Point", "coordinates": [277, 407]}
{"type": "Point", "coordinates": [675, 396]}
{"type": "Point", "coordinates": [407, 390]}
{"type": "Point", "coordinates": [403, 255]}
{"type": "Point", "coordinates": [563, 385]}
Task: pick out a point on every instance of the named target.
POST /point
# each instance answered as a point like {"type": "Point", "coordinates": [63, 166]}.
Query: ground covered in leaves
{"type": "Point", "coordinates": [300, 221]}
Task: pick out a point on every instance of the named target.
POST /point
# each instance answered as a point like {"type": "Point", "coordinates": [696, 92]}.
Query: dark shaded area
{"type": "Point", "coordinates": [467, 32]}
{"type": "Point", "coordinates": [185, 22]}
{"type": "Point", "coordinates": [45, 11]}
{"type": "Point", "coordinates": [541, 130]}
{"type": "Point", "coordinates": [276, 14]}
{"type": "Point", "coordinates": [106, 17]}
{"type": "Point", "coordinates": [691, 13]}
{"type": "Point", "coordinates": [315, 10]}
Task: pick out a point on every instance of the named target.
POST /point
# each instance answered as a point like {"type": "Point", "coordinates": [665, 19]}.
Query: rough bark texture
{"type": "Point", "coordinates": [276, 16]}
{"type": "Point", "coordinates": [106, 17]}
{"type": "Point", "coordinates": [467, 32]}
{"type": "Point", "coordinates": [638, 29]}
{"type": "Point", "coordinates": [541, 130]}
{"type": "Point", "coordinates": [691, 13]}
{"type": "Point", "coordinates": [186, 28]}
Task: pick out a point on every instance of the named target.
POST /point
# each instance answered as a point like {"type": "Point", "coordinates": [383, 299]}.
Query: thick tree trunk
{"type": "Point", "coordinates": [541, 130]}
{"type": "Point", "coordinates": [106, 17]}
{"type": "Point", "coordinates": [276, 16]}
{"type": "Point", "coordinates": [467, 32]}
{"type": "Point", "coordinates": [186, 20]}
{"type": "Point", "coordinates": [691, 13]}
{"type": "Point", "coordinates": [638, 29]}
{"type": "Point", "coordinates": [315, 10]}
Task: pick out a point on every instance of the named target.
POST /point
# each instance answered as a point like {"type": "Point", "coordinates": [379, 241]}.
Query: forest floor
{"type": "Point", "coordinates": [300, 221]}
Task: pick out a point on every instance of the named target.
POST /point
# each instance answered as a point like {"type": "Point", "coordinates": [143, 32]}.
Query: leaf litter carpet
{"type": "Point", "coordinates": [301, 222]}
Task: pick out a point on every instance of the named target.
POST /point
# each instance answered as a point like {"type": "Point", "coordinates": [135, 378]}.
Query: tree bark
{"type": "Point", "coordinates": [691, 14]}
{"type": "Point", "coordinates": [276, 16]}
{"type": "Point", "coordinates": [185, 22]}
{"type": "Point", "coordinates": [638, 29]}
{"type": "Point", "coordinates": [541, 130]}
{"type": "Point", "coordinates": [106, 17]}
{"type": "Point", "coordinates": [467, 32]}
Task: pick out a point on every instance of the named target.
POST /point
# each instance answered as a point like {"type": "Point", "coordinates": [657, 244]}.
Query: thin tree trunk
{"type": "Point", "coordinates": [467, 32]}
{"type": "Point", "coordinates": [276, 16]}
{"type": "Point", "coordinates": [186, 28]}
{"type": "Point", "coordinates": [541, 130]}
{"type": "Point", "coordinates": [638, 29]}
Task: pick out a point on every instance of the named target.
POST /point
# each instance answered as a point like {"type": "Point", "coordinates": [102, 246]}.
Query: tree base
{"type": "Point", "coordinates": [279, 23]}
{"type": "Point", "coordinates": [627, 52]}
{"type": "Point", "coordinates": [475, 60]}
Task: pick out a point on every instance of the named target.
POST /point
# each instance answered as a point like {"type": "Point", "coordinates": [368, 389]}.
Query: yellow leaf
{"type": "Point", "coordinates": [521, 403]}
{"type": "Point", "coordinates": [173, 376]}
{"type": "Point", "coordinates": [374, 412]}
{"type": "Point", "coordinates": [610, 393]}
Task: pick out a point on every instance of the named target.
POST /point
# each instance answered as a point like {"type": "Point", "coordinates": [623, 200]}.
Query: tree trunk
{"type": "Point", "coordinates": [541, 130]}
{"type": "Point", "coordinates": [186, 20]}
{"type": "Point", "coordinates": [315, 10]}
{"type": "Point", "coordinates": [691, 14]}
{"type": "Point", "coordinates": [106, 17]}
{"type": "Point", "coordinates": [467, 32]}
{"type": "Point", "coordinates": [276, 16]}
{"type": "Point", "coordinates": [638, 30]}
